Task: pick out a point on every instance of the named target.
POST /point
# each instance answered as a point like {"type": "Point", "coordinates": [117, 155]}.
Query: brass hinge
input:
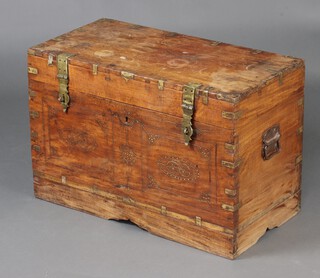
{"type": "Point", "coordinates": [63, 77]}
{"type": "Point", "coordinates": [188, 94]}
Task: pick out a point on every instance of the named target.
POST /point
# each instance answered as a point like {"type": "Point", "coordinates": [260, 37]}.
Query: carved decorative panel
{"type": "Point", "coordinates": [121, 148]}
{"type": "Point", "coordinates": [78, 139]}
{"type": "Point", "coordinates": [178, 168]}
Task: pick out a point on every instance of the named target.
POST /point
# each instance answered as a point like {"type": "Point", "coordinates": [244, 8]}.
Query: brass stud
{"type": "Point", "coordinates": [94, 69]}
{"type": "Point", "coordinates": [163, 210]}
{"type": "Point", "coordinates": [205, 96]}
{"type": "Point", "coordinates": [300, 102]}
{"type": "Point", "coordinates": [63, 180]}
{"type": "Point", "coordinates": [198, 221]}
{"type": "Point", "coordinates": [161, 85]}
{"type": "Point", "coordinates": [50, 60]}
{"type": "Point", "coordinates": [300, 130]}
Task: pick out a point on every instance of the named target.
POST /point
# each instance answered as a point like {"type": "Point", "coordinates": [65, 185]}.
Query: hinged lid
{"type": "Point", "coordinates": [231, 72]}
{"type": "Point", "coordinates": [157, 70]}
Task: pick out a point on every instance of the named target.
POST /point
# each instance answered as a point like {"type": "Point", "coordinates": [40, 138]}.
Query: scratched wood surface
{"type": "Point", "coordinates": [118, 152]}
{"type": "Point", "coordinates": [169, 56]}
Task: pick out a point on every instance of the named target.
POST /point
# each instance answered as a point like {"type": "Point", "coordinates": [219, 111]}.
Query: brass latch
{"type": "Point", "coordinates": [63, 77]}
{"type": "Point", "coordinates": [188, 95]}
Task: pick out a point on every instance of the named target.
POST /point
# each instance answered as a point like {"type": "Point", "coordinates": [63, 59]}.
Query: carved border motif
{"type": "Point", "coordinates": [78, 139]}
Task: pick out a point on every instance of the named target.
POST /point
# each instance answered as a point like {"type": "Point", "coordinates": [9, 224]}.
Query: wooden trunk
{"type": "Point", "coordinates": [191, 139]}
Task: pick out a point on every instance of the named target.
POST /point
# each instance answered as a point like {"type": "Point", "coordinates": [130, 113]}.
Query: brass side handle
{"type": "Point", "coordinates": [271, 142]}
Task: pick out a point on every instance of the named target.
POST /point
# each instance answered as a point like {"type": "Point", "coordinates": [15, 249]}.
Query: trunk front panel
{"type": "Point", "coordinates": [136, 154]}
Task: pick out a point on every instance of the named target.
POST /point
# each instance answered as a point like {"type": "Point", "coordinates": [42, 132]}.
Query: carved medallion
{"type": "Point", "coordinates": [128, 156]}
{"type": "Point", "coordinates": [78, 140]}
{"type": "Point", "coordinates": [178, 168]}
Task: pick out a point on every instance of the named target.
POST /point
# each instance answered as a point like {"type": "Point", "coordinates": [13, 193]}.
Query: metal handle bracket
{"type": "Point", "coordinates": [270, 142]}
